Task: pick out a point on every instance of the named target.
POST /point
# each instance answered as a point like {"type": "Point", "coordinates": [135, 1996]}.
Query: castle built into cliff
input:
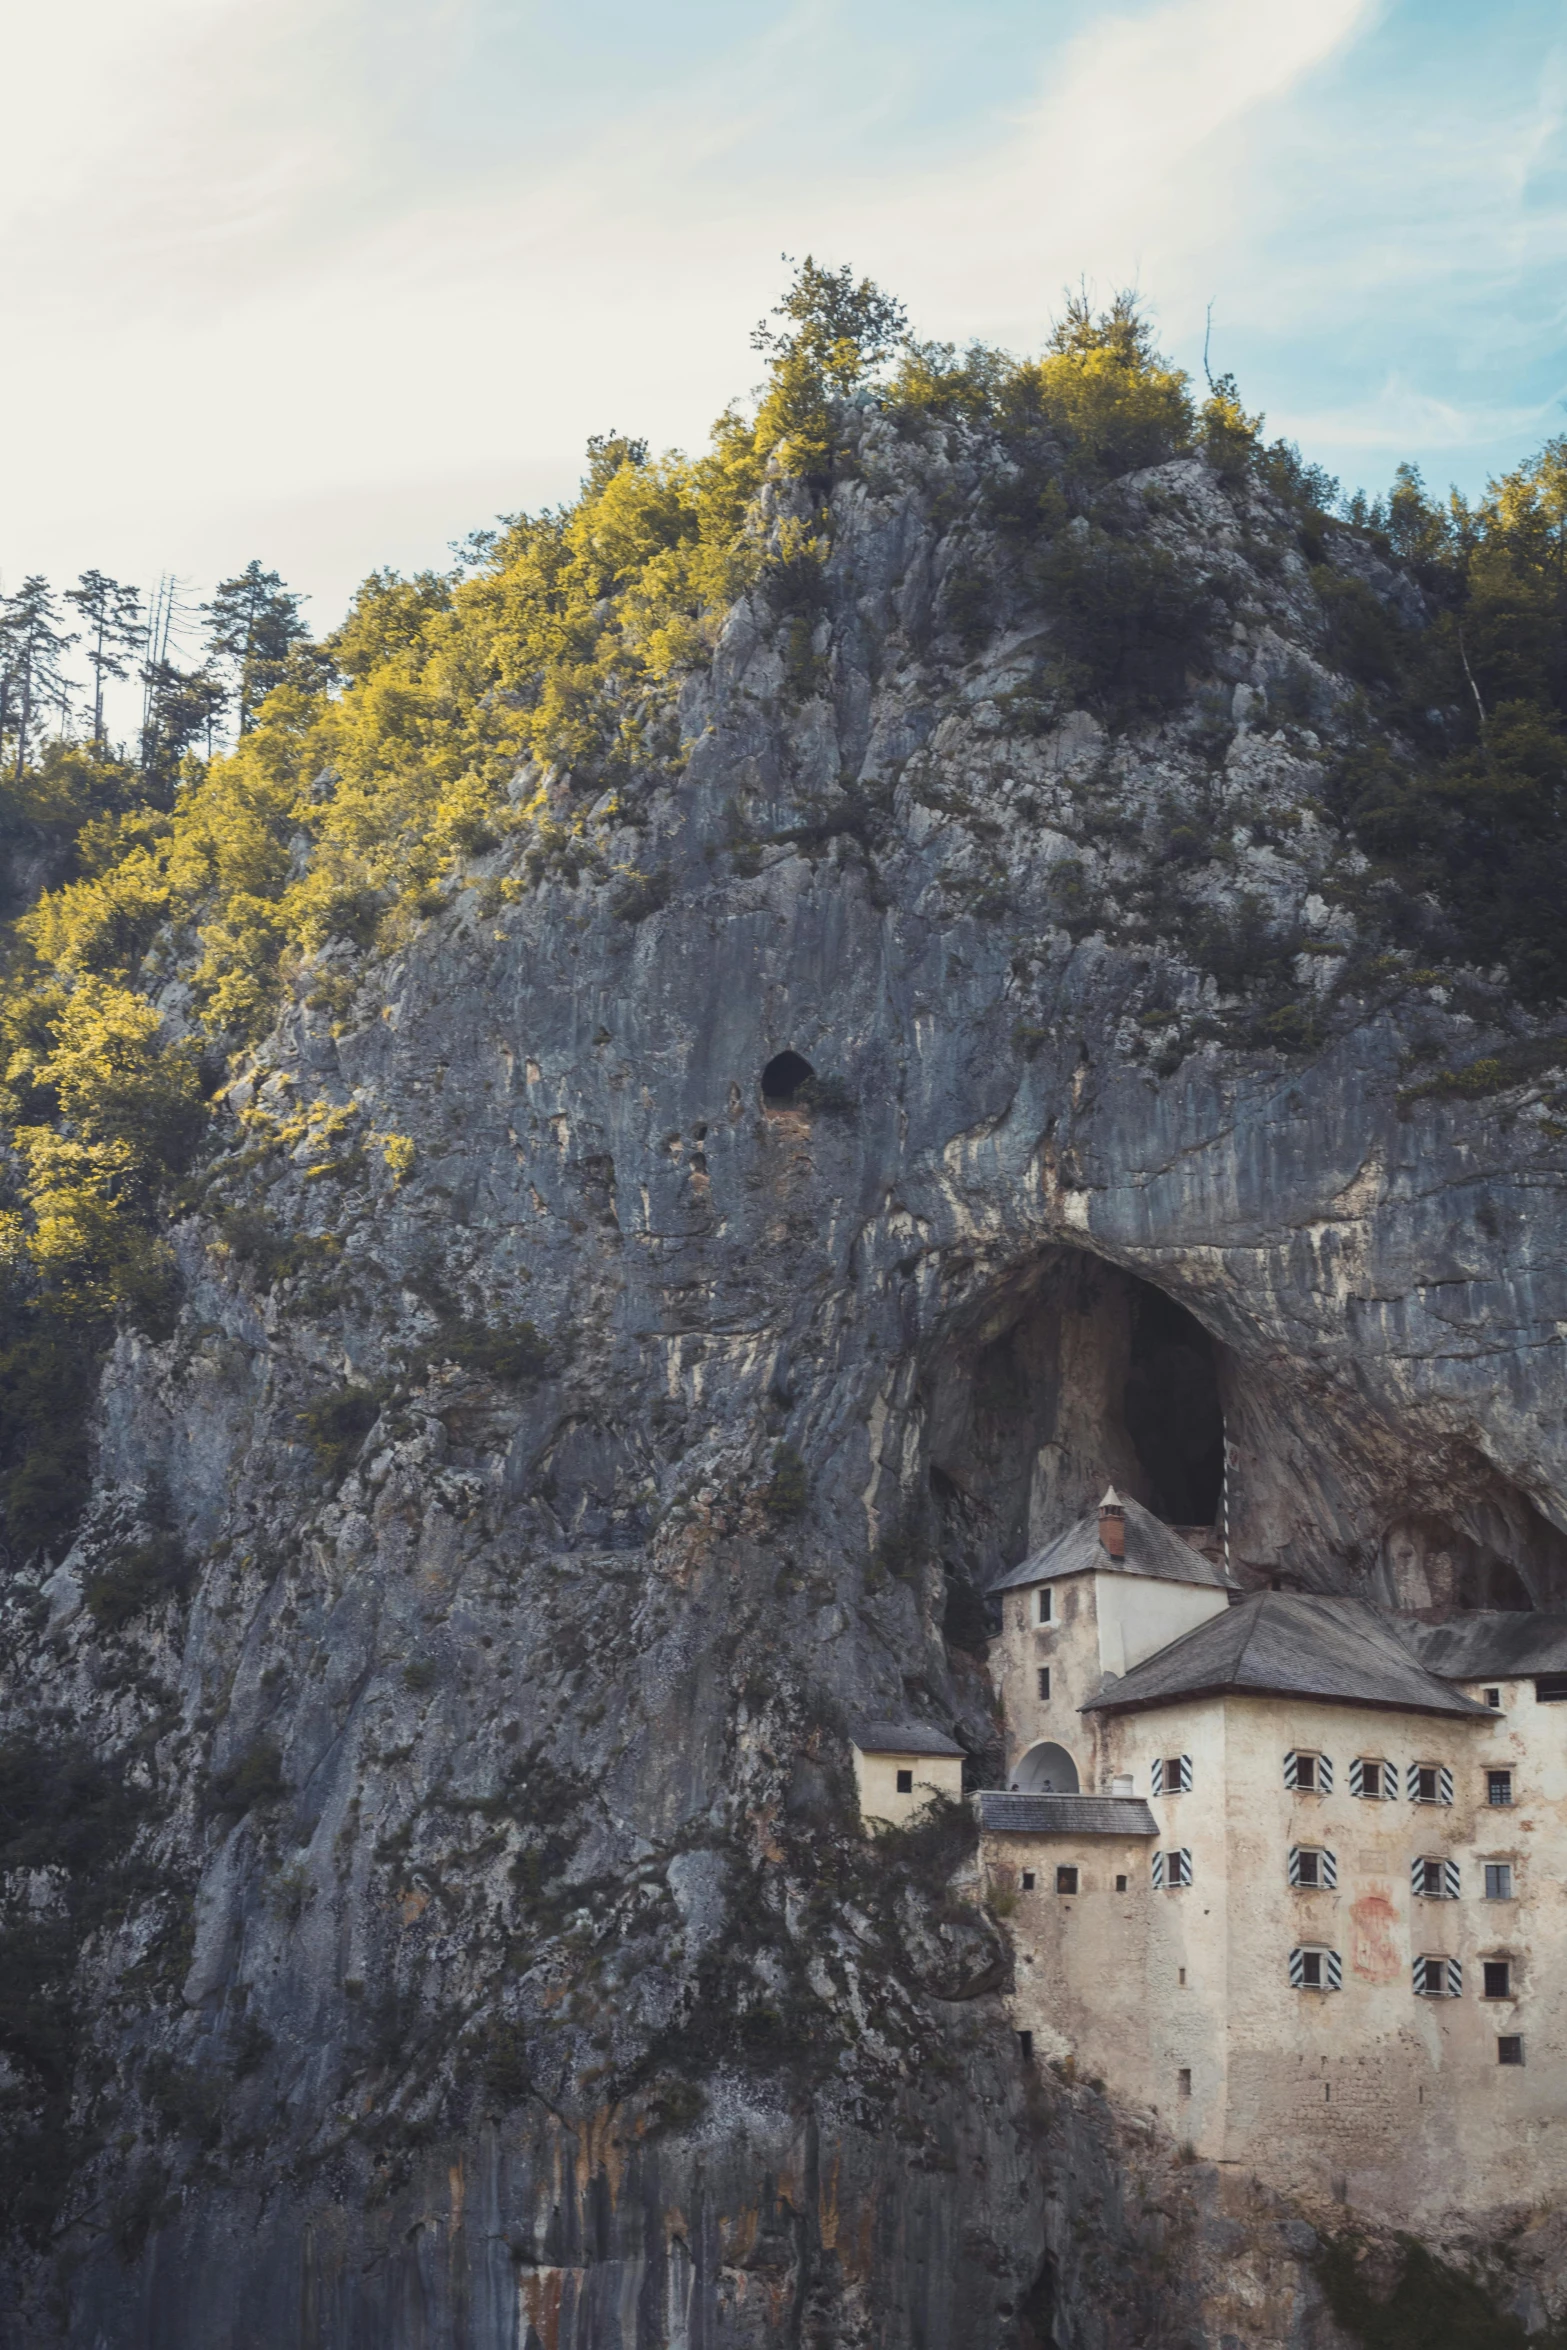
{"type": "Point", "coordinates": [1286, 1870]}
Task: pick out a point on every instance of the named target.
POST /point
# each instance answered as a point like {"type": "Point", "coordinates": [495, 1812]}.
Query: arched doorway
{"type": "Point", "coordinates": [1046, 1769]}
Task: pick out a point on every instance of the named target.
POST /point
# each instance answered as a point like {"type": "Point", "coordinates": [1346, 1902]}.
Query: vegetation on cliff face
{"type": "Point", "coordinates": [533, 690]}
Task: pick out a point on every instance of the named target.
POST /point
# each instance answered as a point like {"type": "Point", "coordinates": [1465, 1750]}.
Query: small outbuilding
{"type": "Point", "coordinates": [899, 1767]}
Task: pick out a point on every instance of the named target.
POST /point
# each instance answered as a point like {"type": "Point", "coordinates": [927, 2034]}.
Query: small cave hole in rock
{"type": "Point", "coordinates": [783, 1077]}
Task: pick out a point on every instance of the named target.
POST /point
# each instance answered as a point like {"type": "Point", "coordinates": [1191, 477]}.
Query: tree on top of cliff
{"type": "Point", "coordinates": [836, 333]}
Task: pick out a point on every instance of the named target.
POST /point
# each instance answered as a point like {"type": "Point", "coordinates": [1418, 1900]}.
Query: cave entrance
{"type": "Point", "coordinates": [783, 1077]}
{"type": "Point", "coordinates": [1077, 1376]}
{"type": "Point", "coordinates": [1172, 1410]}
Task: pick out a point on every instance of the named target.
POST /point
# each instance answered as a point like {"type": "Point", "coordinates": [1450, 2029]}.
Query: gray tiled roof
{"type": "Point", "coordinates": [903, 1738]}
{"type": "Point", "coordinates": [1508, 1645]}
{"type": "Point", "coordinates": [1289, 1644]}
{"type": "Point", "coordinates": [1064, 1815]}
{"type": "Point", "coordinates": [1151, 1549]}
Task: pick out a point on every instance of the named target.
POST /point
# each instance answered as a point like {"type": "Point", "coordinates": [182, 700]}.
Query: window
{"type": "Point", "coordinates": [1498, 1974]}
{"type": "Point", "coordinates": [1498, 1788]}
{"type": "Point", "coordinates": [1435, 1880]}
{"type": "Point", "coordinates": [1438, 1978]}
{"type": "Point", "coordinates": [1498, 1880]}
{"type": "Point", "coordinates": [1028, 1880]}
{"type": "Point", "coordinates": [1044, 1680]}
{"type": "Point", "coordinates": [1066, 1880]}
{"type": "Point", "coordinates": [1509, 2049]}
{"type": "Point", "coordinates": [1493, 1698]}
{"type": "Point", "coordinates": [1172, 1869]}
{"type": "Point", "coordinates": [1120, 1884]}
{"type": "Point", "coordinates": [1550, 1689]}
{"type": "Point", "coordinates": [1316, 1970]}
{"type": "Point", "coordinates": [1308, 1774]}
{"type": "Point", "coordinates": [1312, 1869]}
{"type": "Point", "coordinates": [905, 1782]}
{"type": "Point", "coordinates": [1375, 1779]}
{"type": "Point", "coordinates": [1025, 2041]}
{"type": "Point", "coordinates": [1170, 1774]}
{"type": "Point", "coordinates": [1044, 1612]}
{"type": "Point", "coordinates": [1183, 2081]}
{"type": "Point", "coordinates": [1429, 1783]}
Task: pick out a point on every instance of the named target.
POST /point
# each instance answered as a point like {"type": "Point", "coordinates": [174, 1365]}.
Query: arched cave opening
{"type": "Point", "coordinates": [783, 1077]}
{"type": "Point", "coordinates": [1172, 1410]}
{"type": "Point", "coordinates": [1078, 1375]}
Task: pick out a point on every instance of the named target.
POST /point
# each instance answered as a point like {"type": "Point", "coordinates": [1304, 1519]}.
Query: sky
{"type": "Point", "coordinates": [333, 282]}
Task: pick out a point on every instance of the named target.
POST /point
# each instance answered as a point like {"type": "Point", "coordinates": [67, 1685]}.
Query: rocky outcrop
{"type": "Point", "coordinates": [569, 1424]}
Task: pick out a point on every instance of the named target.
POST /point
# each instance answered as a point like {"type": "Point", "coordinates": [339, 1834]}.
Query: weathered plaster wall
{"type": "Point", "coordinates": [1370, 2094]}
{"type": "Point", "coordinates": [876, 1784]}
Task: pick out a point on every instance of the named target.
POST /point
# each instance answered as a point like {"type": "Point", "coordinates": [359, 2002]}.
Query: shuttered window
{"type": "Point", "coordinates": [1435, 1880]}
{"type": "Point", "coordinates": [1308, 1774]}
{"type": "Point", "coordinates": [1372, 1778]}
{"type": "Point", "coordinates": [1438, 1978]}
{"type": "Point", "coordinates": [1171, 1774]}
{"type": "Point", "coordinates": [1172, 1870]}
{"type": "Point", "coordinates": [1312, 1868]}
{"type": "Point", "coordinates": [1316, 1970]}
{"type": "Point", "coordinates": [1429, 1783]}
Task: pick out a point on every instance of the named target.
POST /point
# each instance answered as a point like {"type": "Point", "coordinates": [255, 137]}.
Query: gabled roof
{"type": "Point", "coordinates": [1151, 1549]}
{"type": "Point", "coordinates": [1289, 1644]}
{"type": "Point", "coordinates": [903, 1738]}
{"type": "Point", "coordinates": [1002, 1812]}
{"type": "Point", "coordinates": [1505, 1645]}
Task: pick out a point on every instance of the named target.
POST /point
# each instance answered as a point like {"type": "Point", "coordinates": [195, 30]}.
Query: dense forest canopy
{"type": "Point", "coordinates": [535, 681]}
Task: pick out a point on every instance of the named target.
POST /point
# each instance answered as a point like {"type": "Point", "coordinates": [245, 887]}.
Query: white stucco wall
{"type": "Point", "coordinates": [1371, 2093]}
{"type": "Point", "coordinates": [876, 1784]}
{"type": "Point", "coordinates": [1100, 1623]}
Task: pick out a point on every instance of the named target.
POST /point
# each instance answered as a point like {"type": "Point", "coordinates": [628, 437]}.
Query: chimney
{"type": "Point", "coordinates": [1112, 1523]}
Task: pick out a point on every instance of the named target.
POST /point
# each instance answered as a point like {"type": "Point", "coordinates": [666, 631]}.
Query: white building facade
{"type": "Point", "coordinates": [1292, 1878]}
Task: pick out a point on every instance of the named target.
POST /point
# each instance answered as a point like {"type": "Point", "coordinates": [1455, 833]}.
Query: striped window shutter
{"type": "Point", "coordinates": [1357, 1777]}
{"type": "Point", "coordinates": [1297, 1970]}
{"type": "Point", "coordinates": [1327, 1864]}
{"type": "Point", "coordinates": [1455, 1979]}
{"type": "Point", "coordinates": [1294, 1864]}
{"type": "Point", "coordinates": [1325, 1774]}
{"type": "Point", "coordinates": [1184, 1865]}
{"type": "Point", "coordinates": [1289, 1768]}
{"type": "Point", "coordinates": [1451, 1886]}
{"type": "Point", "coordinates": [1158, 1870]}
{"type": "Point", "coordinates": [1412, 1782]}
{"type": "Point", "coordinates": [1417, 1876]}
{"type": "Point", "coordinates": [1333, 1970]}
{"type": "Point", "coordinates": [1444, 1785]}
{"type": "Point", "coordinates": [1186, 1774]}
{"type": "Point", "coordinates": [1157, 1775]}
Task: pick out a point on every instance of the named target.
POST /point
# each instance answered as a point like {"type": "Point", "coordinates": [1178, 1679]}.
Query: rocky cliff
{"type": "Point", "coordinates": [623, 1323]}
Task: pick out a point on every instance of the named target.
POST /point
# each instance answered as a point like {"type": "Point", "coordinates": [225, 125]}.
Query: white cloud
{"type": "Point", "coordinates": [242, 323]}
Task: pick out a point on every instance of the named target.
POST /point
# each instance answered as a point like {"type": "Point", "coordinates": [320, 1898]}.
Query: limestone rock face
{"type": "Point", "coordinates": [505, 1968]}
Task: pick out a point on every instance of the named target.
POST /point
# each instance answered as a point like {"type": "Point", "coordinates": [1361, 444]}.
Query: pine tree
{"type": "Point", "coordinates": [182, 706]}
{"type": "Point", "coordinates": [114, 631]}
{"type": "Point", "coordinates": [36, 644]}
{"type": "Point", "coordinates": [254, 626]}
